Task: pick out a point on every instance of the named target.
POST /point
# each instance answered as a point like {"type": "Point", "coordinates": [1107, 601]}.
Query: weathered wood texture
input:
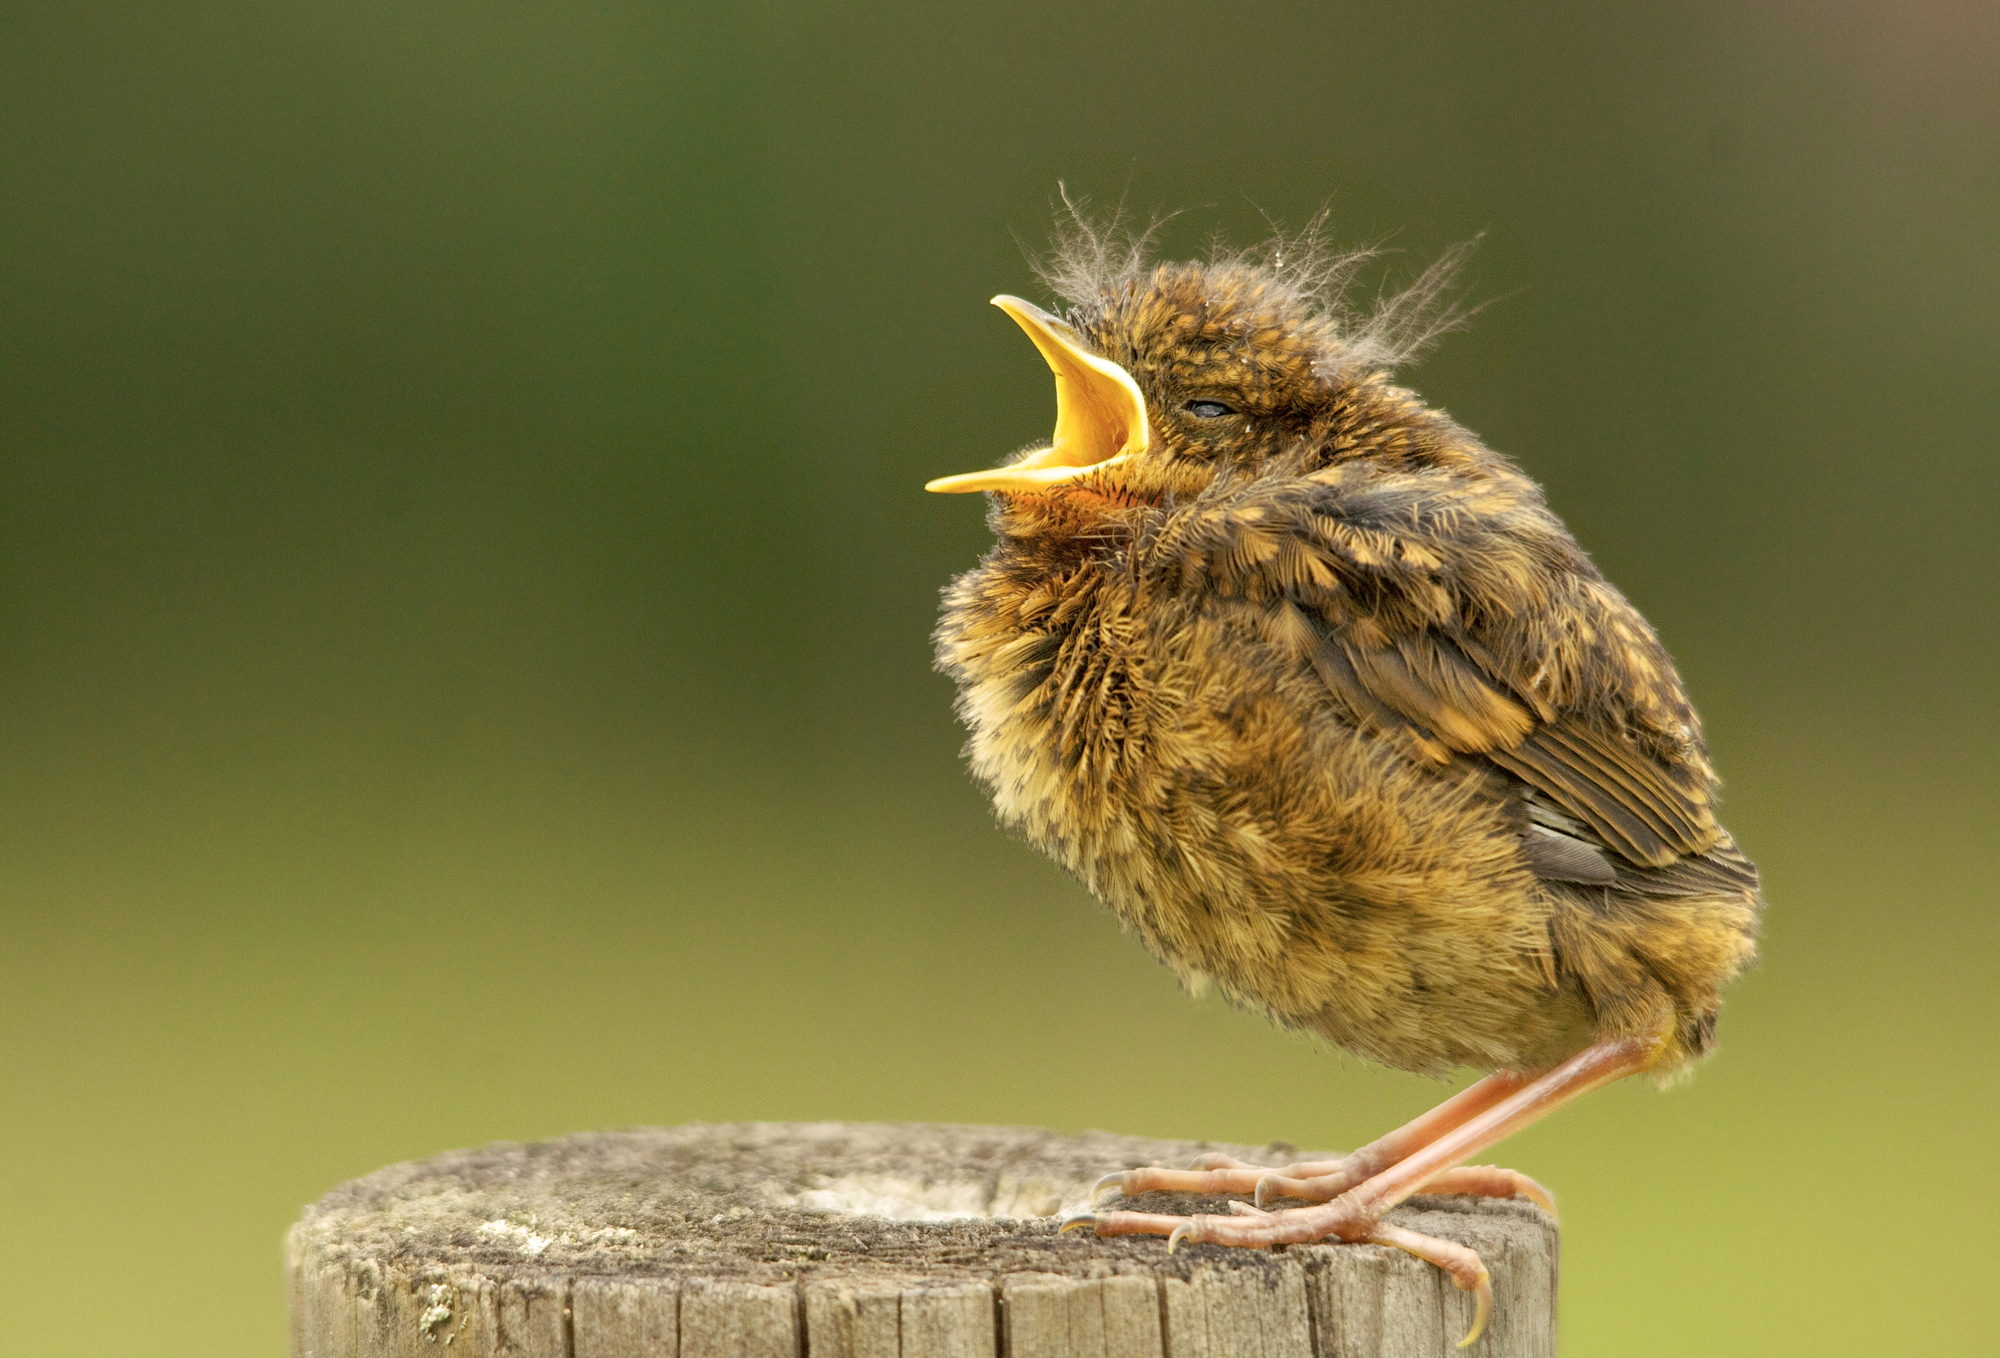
{"type": "Point", "coordinates": [846, 1240]}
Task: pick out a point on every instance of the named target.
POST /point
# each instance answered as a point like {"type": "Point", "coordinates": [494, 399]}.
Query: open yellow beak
{"type": "Point", "coordinates": [1100, 415]}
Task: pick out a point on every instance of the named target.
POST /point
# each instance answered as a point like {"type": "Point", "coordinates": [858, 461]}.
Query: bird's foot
{"type": "Point", "coordinates": [1312, 1180]}
{"type": "Point", "coordinates": [1424, 1156]}
{"type": "Point", "coordinates": [1343, 1219]}
{"type": "Point", "coordinates": [1225, 1174]}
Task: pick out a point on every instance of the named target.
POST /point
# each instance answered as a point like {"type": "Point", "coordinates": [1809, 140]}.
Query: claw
{"type": "Point", "coordinates": [1483, 1312]}
{"type": "Point", "coordinates": [1263, 1193]}
{"type": "Point", "coordinates": [1187, 1230]}
{"type": "Point", "coordinates": [1076, 1219]}
{"type": "Point", "coordinates": [1108, 1180]}
{"type": "Point", "coordinates": [1538, 1195]}
{"type": "Point", "coordinates": [1460, 1263]}
{"type": "Point", "coordinates": [1490, 1181]}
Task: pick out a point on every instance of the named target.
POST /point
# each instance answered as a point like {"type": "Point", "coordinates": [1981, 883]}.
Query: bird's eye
{"type": "Point", "coordinates": [1209, 410]}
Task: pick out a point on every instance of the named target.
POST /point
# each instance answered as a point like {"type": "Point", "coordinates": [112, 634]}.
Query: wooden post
{"type": "Point", "coordinates": [859, 1240]}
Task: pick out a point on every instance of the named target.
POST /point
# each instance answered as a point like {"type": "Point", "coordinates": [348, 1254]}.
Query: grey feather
{"type": "Point", "coordinates": [1555, 857]}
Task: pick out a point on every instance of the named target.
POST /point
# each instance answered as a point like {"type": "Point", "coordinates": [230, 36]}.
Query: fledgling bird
{"type": "Point", "coordinates": [1313, 690]}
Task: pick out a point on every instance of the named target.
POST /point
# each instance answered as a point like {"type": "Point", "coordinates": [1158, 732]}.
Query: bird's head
{"type": "Point", "coordinates": [1173, 375]}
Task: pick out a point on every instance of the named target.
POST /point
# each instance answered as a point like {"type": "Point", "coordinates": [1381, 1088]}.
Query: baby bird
{"type": "Point", "coordinates": [1313, 690]}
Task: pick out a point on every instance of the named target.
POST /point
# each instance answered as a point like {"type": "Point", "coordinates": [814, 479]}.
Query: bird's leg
{"type": "Point", "coordinates": [1322, 1179]}
{"type": "Point", "coordinates": [1323, 1184]}
{"type": "Point", "coordinates": [1356, 1214]}
{"type": "Point", "coordinates": [1594, 1066]}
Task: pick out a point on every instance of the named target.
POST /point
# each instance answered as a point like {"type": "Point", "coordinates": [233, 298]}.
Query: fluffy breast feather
{"type": "Point", "coordinates": [1199, 781]}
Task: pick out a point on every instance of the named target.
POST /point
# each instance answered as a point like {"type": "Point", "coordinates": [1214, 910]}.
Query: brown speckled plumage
{"type": "Point", "coordinates": [1325, 703]}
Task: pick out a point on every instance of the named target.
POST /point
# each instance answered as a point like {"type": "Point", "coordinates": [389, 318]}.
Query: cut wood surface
{"type": "Point", "coordinates": [863, 1240]}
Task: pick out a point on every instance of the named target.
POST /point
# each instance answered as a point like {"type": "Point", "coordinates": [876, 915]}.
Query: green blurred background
{"type": "Point", "coordinates": [465, 590]}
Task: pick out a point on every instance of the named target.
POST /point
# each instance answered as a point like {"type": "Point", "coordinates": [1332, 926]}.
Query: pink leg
{"type": "Point", "coordinates": [1321, 1179]}
{"type": "Point", "coordinates": [1356, 1214]}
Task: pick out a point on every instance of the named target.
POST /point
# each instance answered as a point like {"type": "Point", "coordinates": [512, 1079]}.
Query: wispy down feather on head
{"type": "Point", "coordinates": [1176, 380]}
{"type": "Point", "coordinates": [1093, 260]}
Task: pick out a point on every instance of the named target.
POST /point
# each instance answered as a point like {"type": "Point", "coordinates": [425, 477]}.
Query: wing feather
{"type": "Point", "coordinates": [1396, 577]}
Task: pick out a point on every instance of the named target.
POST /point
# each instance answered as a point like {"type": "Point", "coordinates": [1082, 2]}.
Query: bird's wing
{"type": "Point", "coordinates": [1463, 615]}
{"type": "Point", "coordinates": [1648, 810]}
